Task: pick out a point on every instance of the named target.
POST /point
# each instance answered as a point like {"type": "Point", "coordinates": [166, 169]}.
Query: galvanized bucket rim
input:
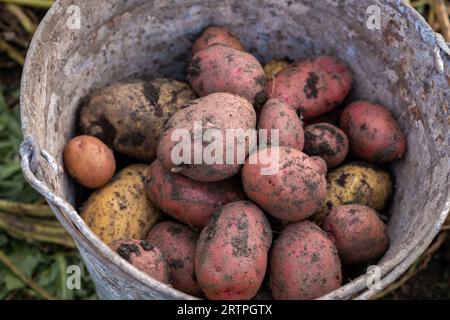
{"type": "Point", "coordinates": [70, 218]}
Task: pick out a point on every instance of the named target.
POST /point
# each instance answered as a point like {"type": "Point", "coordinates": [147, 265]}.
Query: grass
{"type": "Point", "coordinates": [36, 269]}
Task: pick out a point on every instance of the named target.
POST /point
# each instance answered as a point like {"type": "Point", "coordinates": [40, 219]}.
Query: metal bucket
{"type": "Point", "coordinates": [399, 62]}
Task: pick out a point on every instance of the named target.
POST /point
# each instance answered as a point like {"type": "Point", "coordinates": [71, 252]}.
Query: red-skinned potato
{"type": "Point", "coordinates": [284, 182]}
{"type": "Point", "coordinates": [304, 263]}
{"type": "Point", "coordinates": [223, 69]}
{"type": "Point", "coordinates": [326, 141]}
{"type": "Point", "coordinates": [216, 112]}
{"type": "Point", "coordinates": [231, 254]}
{"type": "Point", "coordinates": [373, 132]}
{"type": "Point", "coordinates": [321, 165]}
{"type": "Point", "coordinates": [313, 86]}
{"type": "Point", "coordinates": [280, 116]}
{"type": "Point", "coordinates": [358, 232]}
{"type": "Point", "coordinates": [177, 242]}
{"type": "Point", "coordinates": [89, 161]}
{"type": "Point", "coordinates": [216, 35]}
{"type": "Point", "coordinates": [186, 200]}
{"type": "Point", "coordinates": [144, 256]}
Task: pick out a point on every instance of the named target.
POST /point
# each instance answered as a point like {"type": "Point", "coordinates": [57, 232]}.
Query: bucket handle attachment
{"type": "Point", "coordinates": [441, 45]}
{"type": "Point", "coordinates": [32, 155]}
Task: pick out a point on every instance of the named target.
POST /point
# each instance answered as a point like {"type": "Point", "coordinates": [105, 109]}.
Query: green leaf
{"type": "Point", "coordinates": [48, 276]}
{"type": "Point", "coordinates": [12, 282]}
{"type": "Point", "coordinates": [64, 293]}
{"type": "Point", "coordinates": [26, 257]}
{"type": "Point", "coordinates": [8, 170]}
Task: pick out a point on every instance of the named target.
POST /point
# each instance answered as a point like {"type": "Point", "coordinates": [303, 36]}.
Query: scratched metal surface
{"type": "Point", "coordinates": [399, 65]}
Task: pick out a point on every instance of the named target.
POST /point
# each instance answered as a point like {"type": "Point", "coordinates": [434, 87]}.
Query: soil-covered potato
{"type": "Point", "coordinates": [321, 165]}
{"type": "Point", "coordinates": [284, 182]}
{"type": "Point", "coordinates": [277, 115]}
{"type": "Point", "coordinates": [189, 201]}
{"type": "Point", "coordinates": [223, 69]}
{"type": "Point", "coordinates": [356, 183]}
{"type": "Point", "coordinates": [313, 86]}
{"type": "Point", "coordinates": [327, 141]}
{"type": "Point", "coordinates": [129, 116]}
{"type": "Point", "coordinates": [144, 256]}
{"type": "Point", "coordinates": [89, 161]}
{"type": "Point", "coordinates": [373, 132]}
{"type": "Point", "coordinates": [231, 254]}
{"type": "Point", "coordinates": [177, 242]}
{"type": "Point", "coordinates": [358, 233]}
{"type": "Point", "coordinates": [214, 114]}
{"type": "Point", "coordinates": [121, 210]}
{"type": "Point", "coordinates": [304, 263]}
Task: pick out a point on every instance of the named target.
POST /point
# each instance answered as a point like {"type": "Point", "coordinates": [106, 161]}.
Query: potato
{"type": "Point", "coordinates": [89, 161]}
{"type": "Point", "coordinates": [224, 69]}
{"type": "Point", "coordinates": [321, 165]}
{"type": "Point", "coordinates": [121, 210]}
{"type": "Point", "coordinates": [277, 115]}
{"type": "Point", "coordinates": [214, 113]}
{"type": "Point", "coordinates": [304, 263]}
{"type": "Point", "coordinates": [358, 233]}
{"type": "Point", "coordinates": [326, 141]}
{"type": "Point", "coordinates": [357, 183]}
{"type": "Point", "coordinates": [216, 35]}
{"type": "Point", "coordinates": [177, 242]}
{"type": "Point", "coordinates": [373, 132]}
{"type": "Point", "coordinates": [130, 116]}
{"type": "Point", "coordinates": [313, 86]}
{"type": "Point", "coordinates": [273, 67]}
{"type": "Point", "coordinates": [284, 182]}
{"type": "Point", "coordinates": [144, 256]}
{"type": "Point", "coordinates": [231, 254]}
{"type": "Point", "coordinates": [186, 200]}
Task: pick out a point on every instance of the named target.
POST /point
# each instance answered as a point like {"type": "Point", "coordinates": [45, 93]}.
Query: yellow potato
{"type": "Point", "coordinates": [130, 116]}
{"type": "Point", "coordinates": [273, 67]}
{"type": "Point", "coordinates": [121, 210]}
{"type": "Point", "coordinates": [356, 183]}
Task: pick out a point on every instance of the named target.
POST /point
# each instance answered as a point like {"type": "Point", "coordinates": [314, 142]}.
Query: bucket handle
{"type": "Point", "coordinates": [32, 155]}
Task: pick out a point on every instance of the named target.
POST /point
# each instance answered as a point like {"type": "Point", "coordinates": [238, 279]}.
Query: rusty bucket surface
{"type": "Point", "coordinates": [396, 58]}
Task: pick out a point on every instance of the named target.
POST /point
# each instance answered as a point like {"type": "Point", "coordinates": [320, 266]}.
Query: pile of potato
{"type": "Point", "coordinates": [228, 231]}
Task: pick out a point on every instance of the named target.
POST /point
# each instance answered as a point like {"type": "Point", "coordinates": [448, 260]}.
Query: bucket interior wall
{"type": "Point", "coordinates": [393, 65]}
